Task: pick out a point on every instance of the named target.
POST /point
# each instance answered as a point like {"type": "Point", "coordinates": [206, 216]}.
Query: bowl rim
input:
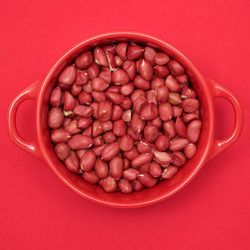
{"type": "Point", "coordinates": [130, 36]}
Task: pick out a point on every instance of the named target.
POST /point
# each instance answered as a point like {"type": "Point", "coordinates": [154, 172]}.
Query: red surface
{"type": "Point", "coordinates": [39, 212]}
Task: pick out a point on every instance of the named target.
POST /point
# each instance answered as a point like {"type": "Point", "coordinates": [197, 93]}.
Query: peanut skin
{"type": "Point", "coordinates": [124, 116]}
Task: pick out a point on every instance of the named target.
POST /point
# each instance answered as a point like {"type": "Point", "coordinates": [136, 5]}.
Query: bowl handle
{"type": "Point", "coordinates": [30, 92]}
{"type": "Point", "coordinates": [222, 92]}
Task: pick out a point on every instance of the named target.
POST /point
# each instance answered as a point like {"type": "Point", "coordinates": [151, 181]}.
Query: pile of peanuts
{"type": "Point", "coordinates": [124, 116]}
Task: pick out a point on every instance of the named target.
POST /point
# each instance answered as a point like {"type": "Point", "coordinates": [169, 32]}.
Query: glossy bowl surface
{"type": "Point", "coordinates": [207, 147]}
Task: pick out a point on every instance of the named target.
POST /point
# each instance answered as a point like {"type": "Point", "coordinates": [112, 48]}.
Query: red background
{"type": "Point", "coordinates": [38, 212]}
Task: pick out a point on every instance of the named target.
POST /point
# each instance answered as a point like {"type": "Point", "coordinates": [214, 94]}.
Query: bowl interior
{"type": "Point", "coordinates": [147, 196]}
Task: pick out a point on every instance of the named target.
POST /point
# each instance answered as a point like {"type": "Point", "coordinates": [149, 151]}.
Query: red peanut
{"type": "Point", "coordinates": [60, 135]}
{"type": "Point", "coordinates": [129, 67]}
{"type": "Point", "coordinates": [119, 128]}
{"type": "Point", "coordinates": [142, 159]}
{"type": "Point", "coordinates": [76, 89]}
{"type": "Point", "coordinates": [190, 105]}
{"type": "Point", "coordinates": [193, 130]}
{"type": "Point", "coordinates": [161, 71]}
{"type": "Point", "coordinates": [190, 117]}
{"type": "Point", "coordinates": [175, 68]}
{"type": "Point", "coordinates": [69, 101]}
{"type": "Point", "coordinates": [147, 180]}
{"type": "Point", "coordinates": [81, 152]}
{"type": "Point", "coordinates": [84, 122]}
{"type": "Point", "coordinates": [98, 140]}
{"type": "Point", "coordinates": [87, 87]}
{"type": "Point", "coordinates": [105, 75]}
{"type": "Point", "coordinates": [130, 174]}
{"type": "Point", "coordinates": [72, 163]}
{"type": "Point", "coordinates": [99, 84]}
{"type": "Point", "coordinates": [143, 146]}
{"type": "Point", "coordinates": [109, 184]}
{"type": "Point", "coordinates": [107, 126]}
{"type": "Point", "coordinates": [115, 98]}
{"type": "Point", "coordinates": [104, 111]}
{"type": "Point", "coordinates": [109, 137]}
{"type": "Point", "coordinates": [87, 131]}
{"type": "Point", "coordinates": [178, 144]}
{"type": "Point", "coordinates": [137, 185]}
{"type": "Point", "coordinates": [135, 135]}
{"type": "Point", "coordinates": [180, 127]}
{"type": "Point", "coordinates": [121, 50]}
{"type": "Point", "coordinates": [84, 60]}
{"type": "Point", "coordinates": [157, 122]}
{"type": "Point", "coordinates": [98, 150]}
{"type": "Point", "coordinates": [80, 142]}
{"type": "Point", "coordinates": [161, 58]}
{"type": "Point", "coordinates": [93, 71]}
{"type": "Point", "coordinates": [126, 103]}
{"type": "Point", "coordinates": [126, 117]}
{"type": "Point", "coordinates": [157, 82]}
{"type": "Point", "coordinates": [131, 154]}
{"type": "Point", "coordinates": [182, 79]}
{"type": "Point", "coordinates": [55, 118]}
{"type": "Point", "coordinates": [83, 111]}
{"type": "Point", "coordinates": [141, 83]}
{"type": "Point", "coordinates": [110, 151]}
{"type": "Point", "coordinates": [172, 83]}
{"type": "Point", "coordinates": [97, 128]}
{"type": "Point", "coordinates": [98, 96]}
{"type": "Point", "coordinates": [126, 143]}
{"type": "Point", "coordinates": [149, 54]}
{"type": "Point", "coordinates": [161, 93]}
{"type": "Point", "coordinates": [119, 77]}
{"type": "Point", "coordinates": [125, 186]}
{"type": "Point", "coordinates": [179, 159]}
{"type": "Point", "coordinates": [190, 150]}
{"type": "Point", "coordinates": [177, 111]}
{"type": "Point", "coordinates": [151, 132]}
{"type": "Point", "coordinates": [151, 98]}
{"type": "Point", "coordinates": [137, 124]}
{"type": "Point", "coordinates": [62, 151]}
{"type": "Point", "coordinates": [116, 168]}
{"type": "Point", "coordinates": [169, 172]}
{"type": "Point", "coordinates": [118, 61]}
{"type": "Point", "coordinates": [169, 128]}
{"type": "Point", "coordinates": [126, 163]}
{"type": "Point", "coordinates": [101, 168]}
{"type": "Point", "coordinates": [187, 93]}
{"type": "Point", "coordinates": [146, 69]}
{"type": "Point", "coordinates": [139, 103]}
{"type": "Point", "coordinates": [117, 113]}
{"type": "Point", "coordinates": [134, 52]}
{"type": "Point", "coordinates": [165, 111]}
{"type": "Point", "coordinates": [127, 89]}
{"type": "Point", "coordinates": [100, 57]}
{"type": "Point", "coordinates": [85, 98]}
{"type": "Point", "coordinates": [111, 60]}
{"type": "Point", "coordinates": [82, 77]}
{"type": "Point", "coordinates": [162, 158]}
{"type": "Point", "coordinates": [72, 127]}
{"type": "Point", "coordinates": [56, 97]}
{"type": "Point", "coordinates": [87, 161]}
{"type": "Point", "coordinates": [155, 169]}
{"type": "Point", "coordinates": [162, 143]}
{"type": "Point", "coordinates": [68, 75]}
{"type": "Point", "coordinates": [149, 112]}
{"type": "Point", "coordinates": [90, 177]}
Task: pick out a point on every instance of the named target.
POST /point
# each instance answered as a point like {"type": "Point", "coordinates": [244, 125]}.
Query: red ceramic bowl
{"type": "Point", "coordinates": [207, 148]}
